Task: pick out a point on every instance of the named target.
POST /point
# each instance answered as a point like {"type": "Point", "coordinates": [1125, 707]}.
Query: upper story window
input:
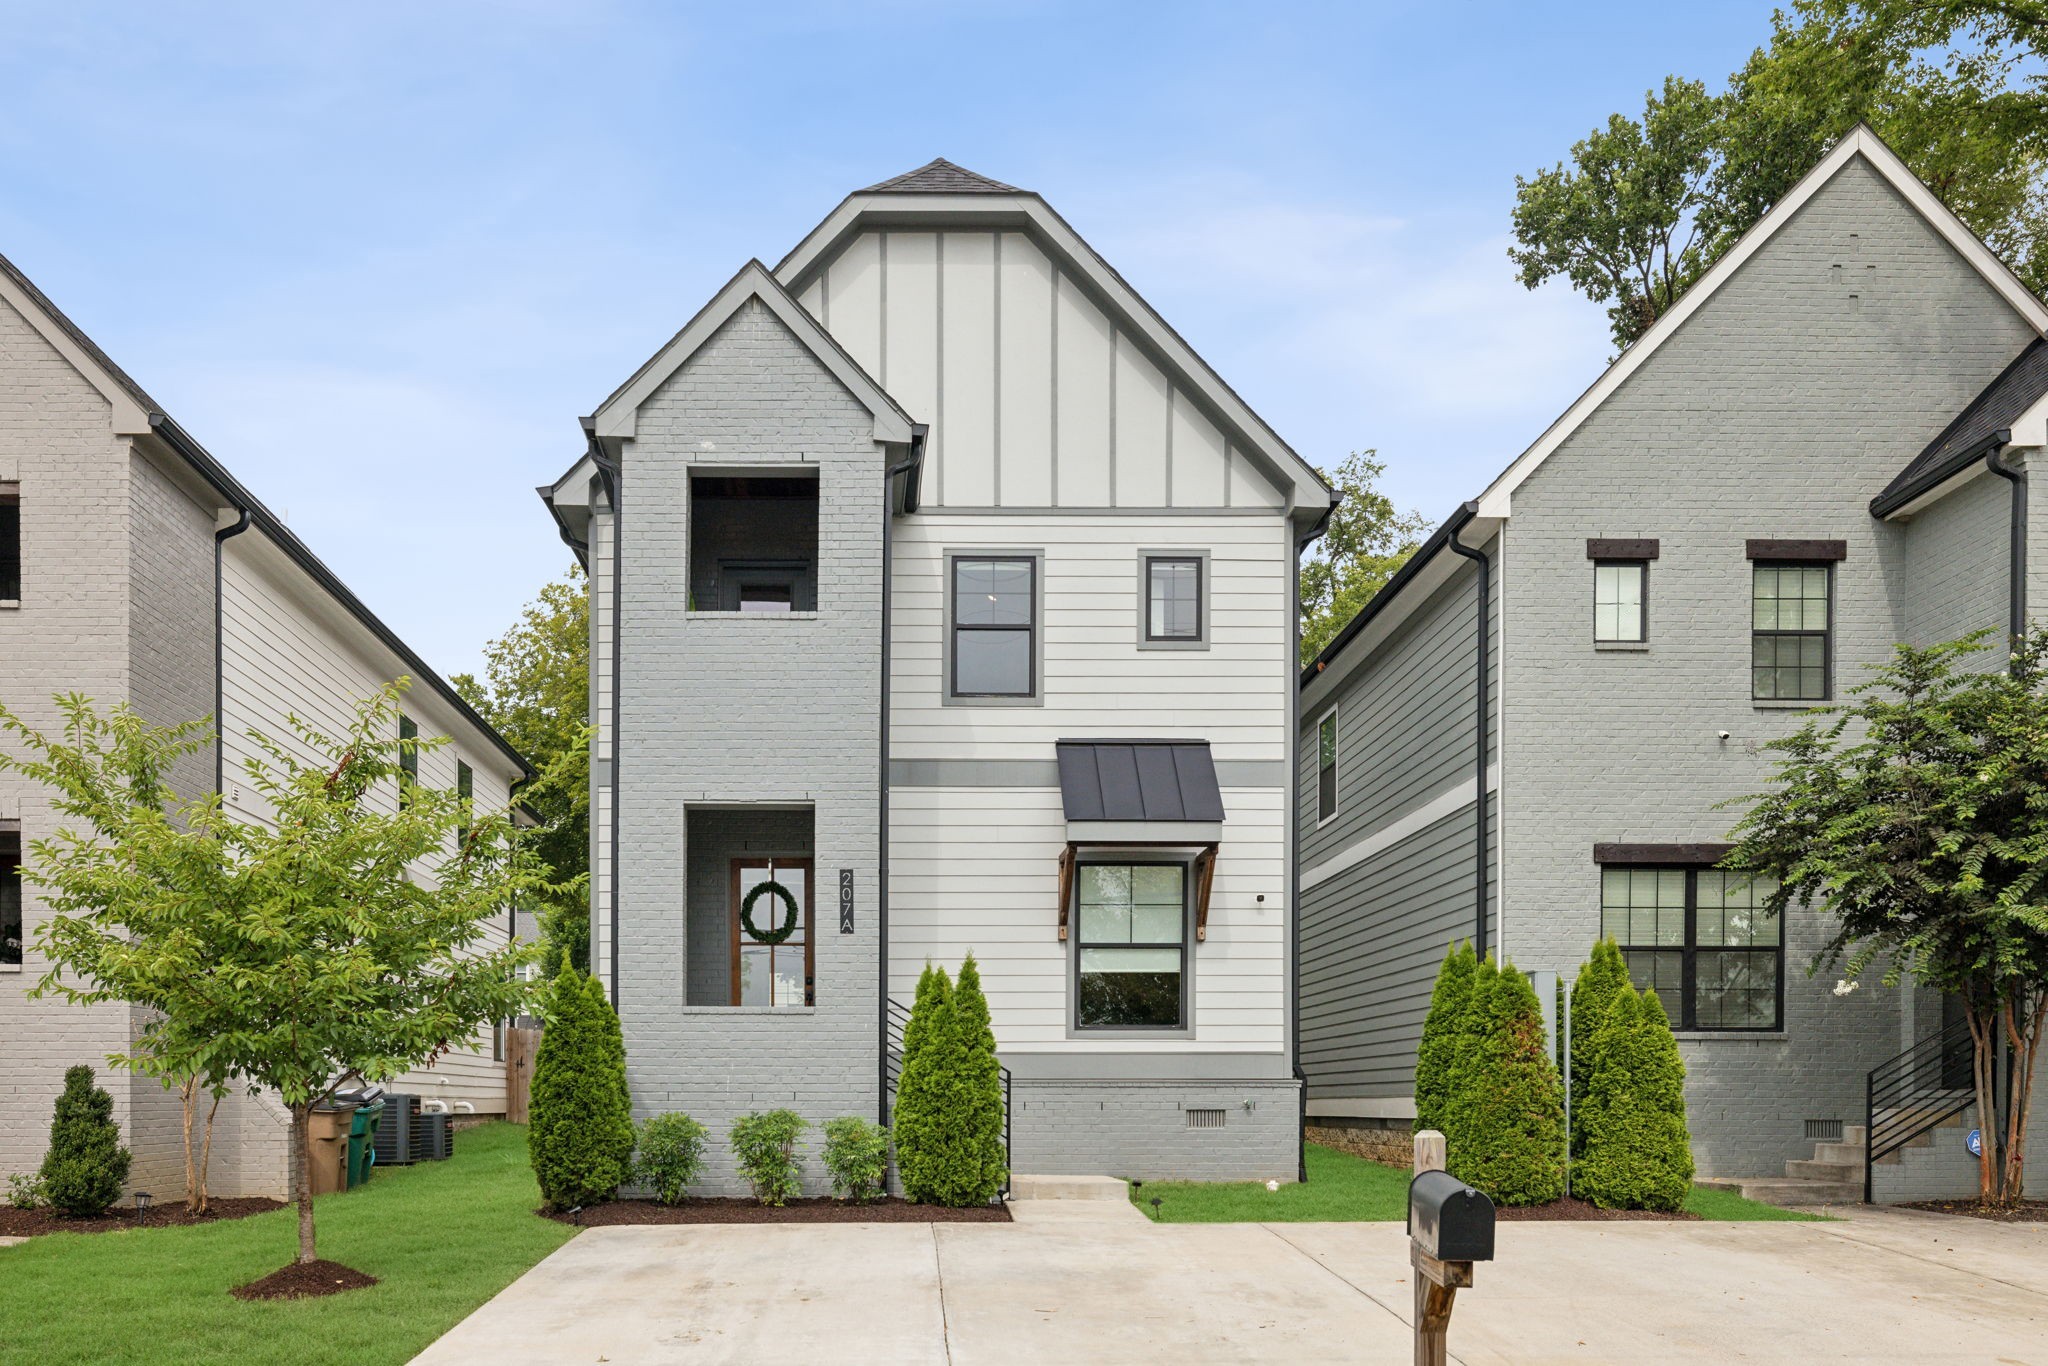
{"type": "Point", "coordinates": [753, 544]}
{"type": "Point", "coordinates": [465, 788]}
{"type": "Point", "coordinates": [11, 932]}
{"type": "Point", "coordinates": [1791, 621]}
{"type": "Point", "coordinates": [10, 542]}
{"type": "Point", "coordinates": [1619, 600]}
{"type": "Point", "coordinates": [992, 627]}
{"type": "Point", "coordinates": [1700, 938]}
{"type": "Point", "coordinates": [1174, 599]}
{"type": "Point", "coordinates": [408, 758]}
{"type": "Point", "coordinates": [1326, 766]}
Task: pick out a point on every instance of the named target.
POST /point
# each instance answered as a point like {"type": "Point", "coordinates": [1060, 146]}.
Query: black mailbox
{"type": "Point", "coordinates": [1449, 1220]}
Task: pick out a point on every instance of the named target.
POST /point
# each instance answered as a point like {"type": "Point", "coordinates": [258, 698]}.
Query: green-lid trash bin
{"type": "Point", "coordinates": [362, 1140]}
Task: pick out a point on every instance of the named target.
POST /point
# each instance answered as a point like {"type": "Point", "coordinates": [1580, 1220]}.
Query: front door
{"type": "Point", "coordinates": [771, 932]}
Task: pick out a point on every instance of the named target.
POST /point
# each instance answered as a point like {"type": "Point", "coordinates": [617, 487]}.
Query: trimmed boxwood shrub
{"type": "Point", "coordinates": [1507, 1107]}
{"type": "Point", "coordinates": [949, 1101]}
{"type": "Point", "coordinates": [579, 1135]}
{"type": "Point", "coordinates": [1601, 982]}
{"type": "Point", "coordinates": [86, 1166]}
{"type": "Point", "coordinates": [669, 1156]}
{"type": "Point", "coordinates": [857, 1156]}
{"type": "Point", "coordinates": [764, 1150]}
{"type": "Point", "coordinates": [1436, 1054]}
{"type": "Point", "coordinates": [1637, 1152]}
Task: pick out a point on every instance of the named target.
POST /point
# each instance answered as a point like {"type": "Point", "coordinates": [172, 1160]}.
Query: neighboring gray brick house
{"type": "Point", "coordinates": [937, 582]}
{"type": "Point", "coordinates": [134, 568]}
{"type": "Point", "coordinates": [1784, 477]}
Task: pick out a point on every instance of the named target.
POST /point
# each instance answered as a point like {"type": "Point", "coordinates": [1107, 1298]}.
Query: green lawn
{"type": "Point", "coordinates": [441, 1238]}
{"type": "Point", "coordinates": [1342, 1187]}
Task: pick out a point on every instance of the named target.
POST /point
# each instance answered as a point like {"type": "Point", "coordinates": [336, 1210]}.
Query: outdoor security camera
{"type": "Point", "coordinates": [1721, 734]}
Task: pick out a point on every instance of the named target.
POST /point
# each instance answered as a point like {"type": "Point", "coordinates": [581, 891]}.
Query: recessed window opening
{"type": "Point", "coordinates": [753, 544]}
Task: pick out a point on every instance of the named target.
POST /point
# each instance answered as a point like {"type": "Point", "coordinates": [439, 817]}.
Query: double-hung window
{"type": "Point", "coordinates": [465, 789]}
{"type": "Point", "coordinates": [10, 542]}
{"type": "Point", "coordinates": [408, 759]}
{"type": "Point", "coordinates": [11, 933]}
{"type": "Point", "coordinates": [1791, 619]}
{"type": "Point", "coordinates": [992, 613]}
{"type": "Point", "coordinates": [1174, 605]}
{"type": "Point", "coordinates": [1702, 939]}
{"type": "Point", "coordinates": [1326, 766]}
{"type": "Point", "coordinates": [1619, 600]}
{"type": "Point", "coordinates": [1130, 956]}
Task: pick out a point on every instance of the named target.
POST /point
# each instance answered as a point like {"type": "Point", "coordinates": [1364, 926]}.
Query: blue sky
{"type": "Point", "coordinates": [379, 258]}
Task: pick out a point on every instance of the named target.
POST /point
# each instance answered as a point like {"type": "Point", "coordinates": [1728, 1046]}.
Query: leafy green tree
{"type": "Point", "coordinates": [536, 693]}
{"type": "Point", "coordinates": [1914, 814]}
{"type": "Point", "coordinates": [343, 937]}
{"type": "Point", "coordinates": [1602, 982]}
{"type": "Point", "coordinates": [86, 1166]}
{"type": "Point", "coordinates": [579, 1134]}
{"type": "Point", "coordinates": [1507, 1113]}
{"type": "Point", "coordinates": [1436, 1056]}
{"type": "Point", "coordinates": [1366, 541]}
{"type": "Point", "coordinates": [1637, 1152]}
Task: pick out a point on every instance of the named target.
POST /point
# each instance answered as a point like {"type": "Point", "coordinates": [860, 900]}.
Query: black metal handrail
{"type": "Point", "coordinates": [899, 1019]}
{"type": "Point", "coordinates": [1907, 1095]}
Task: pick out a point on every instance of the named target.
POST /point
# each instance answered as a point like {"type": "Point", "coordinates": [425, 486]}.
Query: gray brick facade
{"type": "Point", "coordinates": [1140, 1129]}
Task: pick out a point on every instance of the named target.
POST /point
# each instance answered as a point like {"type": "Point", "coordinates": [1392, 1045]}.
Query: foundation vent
{"type": "Point", "coordinates": [1824, 1130]}
{"type": "Point", "coordinates": [1205, 1119]}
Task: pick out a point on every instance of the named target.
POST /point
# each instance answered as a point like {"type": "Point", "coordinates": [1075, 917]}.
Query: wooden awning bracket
{"type": "Point", "coordinates": [1205, 879]}
{"type": "Point", "coordinates": [1066, 886]}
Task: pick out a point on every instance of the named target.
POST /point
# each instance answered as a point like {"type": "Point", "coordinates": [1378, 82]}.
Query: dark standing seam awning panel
{"type": "Point", "coordinates": [1138, 780]}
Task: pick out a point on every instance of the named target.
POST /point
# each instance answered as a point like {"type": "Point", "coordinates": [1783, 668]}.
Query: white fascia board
{"type": "Point", "coordinates": [1308, 495]}
{"type": "Point", "coordinates": [1861, 141]}
{"type": "Point", "coordinates": [130, 418]}
{"type": "Point", "coordinates": [1966, 475]}
{"type": "Point", "coordinates": [618, 417]}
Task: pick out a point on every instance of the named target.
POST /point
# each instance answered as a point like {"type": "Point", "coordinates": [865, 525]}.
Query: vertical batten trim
{"type": "Point", "coordinates": [882, 308]}
{"type": "Point", "coordinates": [1053, 398]}
{"type": "Point", "coordinates": [1229, 470]}
{"type": "Point", "coordinates": [996, 370]}
{"type": "Point", "coordinates": [1116, 341]}
{"type": "Point", "coordinates": [825, 298]}
{"type": "Point", "coordinates": [939, 365]}
{"type": "Point", "coordinates": [1172, 412]}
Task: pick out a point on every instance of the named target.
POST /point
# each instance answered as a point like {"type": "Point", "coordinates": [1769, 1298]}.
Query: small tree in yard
{"type": "Point", "coordinates": [86, 1166]}
{"type": "Point", "coordinates": [1507, 1111]}
{"type": "Point", "coordinates": [579, 1134]}
{"type": "Point", "coordinates": [1434, 1057]}
{"type": "Point", "coordinates": [1602, 981]}
{"type": "Point", "coordinates": [1917, 814]}
{"type": "Point", "coordinates": [342, 937]}
{"type": "Point", "coordinates": [949, 1102]}
{"type": "Point", "coordinates": [1637, 1153]}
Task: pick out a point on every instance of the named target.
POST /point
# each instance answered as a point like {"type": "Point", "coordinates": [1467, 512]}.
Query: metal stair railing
{"type": "Point", "coordinates": [1907, 1095]}
{"type": "Point", "coordinates": [899, 1019]}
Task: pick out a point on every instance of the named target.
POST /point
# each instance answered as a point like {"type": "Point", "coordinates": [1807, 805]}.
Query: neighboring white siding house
{"type": "Point", "coordinates": [1067, 444]}
{"type": "Point", "coordinates": [128, 528]}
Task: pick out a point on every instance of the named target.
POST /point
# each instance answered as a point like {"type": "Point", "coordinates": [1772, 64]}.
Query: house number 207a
{"type": "Point", "coordinates": [846, 901]}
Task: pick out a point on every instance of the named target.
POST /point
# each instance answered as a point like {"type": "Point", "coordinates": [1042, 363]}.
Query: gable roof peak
{"type": "Point", "coordinates": [940, 176]}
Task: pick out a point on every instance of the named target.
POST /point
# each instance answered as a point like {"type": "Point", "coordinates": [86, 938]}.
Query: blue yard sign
{"type": "Point", "coordinates": [1975, 1143]}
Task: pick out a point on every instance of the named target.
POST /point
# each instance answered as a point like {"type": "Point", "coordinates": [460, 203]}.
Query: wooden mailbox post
{"type": "Point", "coordinates": [1450, 1226]}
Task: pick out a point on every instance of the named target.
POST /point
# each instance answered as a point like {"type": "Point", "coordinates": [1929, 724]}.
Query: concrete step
{"type": "Point", "coordinates": [1069, 1188]}
{"type": "Point", "coordinates": [1785, 1190]}
{"type": "Point", "coordinates": [1838, 1172]}
{"type": "Point", "coordinates": [1851, 1153]}
{"type": "Point", "coordinates": [1856, 1135]}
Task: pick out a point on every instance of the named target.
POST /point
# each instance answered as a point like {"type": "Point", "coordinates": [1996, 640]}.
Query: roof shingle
{"type": "Point", "coordinates": [940, 176]}
{"type": "Point", "coordinates": [2018, 387]}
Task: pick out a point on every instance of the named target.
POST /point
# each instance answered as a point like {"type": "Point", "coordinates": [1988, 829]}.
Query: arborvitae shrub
{"type": "Point", "coordinates": [579, 1135]}
{"type": "Point", "coordinates": [977, 1124]}
{"type": "Point", "coordinates": [1602, 980]}
{"type": "Point", "coordinates": [1436, 1054]}
{"type": "Point", "coordinates": [1463, 1068]}
{"type": "Point", "coordinates": [922, 1085]}
{"type": "Point", "coordinates": [86, 1167]}
{"type": "Point", "coordinates": [1638, 1154]}
{"type": "Point", "coordinates": [1508, 1109]}
{"type": "Point", "coordinates": [669, 1156]}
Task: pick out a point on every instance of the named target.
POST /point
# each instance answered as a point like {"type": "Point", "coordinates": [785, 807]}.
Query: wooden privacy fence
{"type": "Point", "coordinates": [520, 1047]}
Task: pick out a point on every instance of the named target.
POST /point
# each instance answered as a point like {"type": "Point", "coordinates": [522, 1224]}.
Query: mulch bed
{"type": "Point", "coordinates": [816, 1210]}
{"type": "Point", "coordinates": [304, 1280]}
{"type": "Point", "coordinates": [1574, 1209]}
{"type": "Point", "coordinates": [27, 1223]}
{"type": "Point", "coordinates": [2025, 1212]}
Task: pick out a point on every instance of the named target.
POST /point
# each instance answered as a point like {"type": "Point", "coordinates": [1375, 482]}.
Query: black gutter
{"type": "Point", "coordinates": [911, 469]}
{"type": "Point", "coordinates": [220, 751]}
{"type": "Point", "coordinates": [1480, 804]}
{"type": "Point", "coordinates": [609, 475]}
{"type": "Point", "coordinates": [1890, 501]}
{"type": "Point", "coordinates": [266, 521]}
{"type": "Point", "coordinates": [2016, 551]}
{"type": "Point", "coordinates": [1383, 599]}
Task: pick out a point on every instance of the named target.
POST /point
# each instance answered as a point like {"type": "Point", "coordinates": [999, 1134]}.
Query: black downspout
{"type": "Point", "coordinates": [608, 472]}
{"type": "Point", "coordinates": [2016, 567]}
{"type": "Point", "coordinates": [889, 478]}
{"type": "Point", "coordinates": [221, 536]}
{"type": "Point", "coordinates": [1293, 660]}
{"type": "Point", "coordinates": [1480, 803]}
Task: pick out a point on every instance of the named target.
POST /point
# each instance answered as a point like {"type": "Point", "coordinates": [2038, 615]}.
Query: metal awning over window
{"type": "Point", "coordinates": [1156, 794]}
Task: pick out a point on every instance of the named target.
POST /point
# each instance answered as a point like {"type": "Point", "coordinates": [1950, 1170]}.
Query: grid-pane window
{"type": "Point", "coordinates": [10, 542]}
{"type": "Point", "coordinates": [408, 758]}
{"type": "Point", "coordinates": [1326, 767]}
{"type": "Point", "coordinates": [1173, 597]}
{"type": "Point", "coordinates": [1701, 939]}
{"type": "Point", "coordinates": [465, 788]}
{"type": "Point", "coordinates": [10, 900]}
{"type": "Point", "coordinates": [1618, 600]}
{"type": "Point", "coordinates": [1789, 625]}
{"type": "Point", "coordinates": [1131, 946]}
{"type": "Point", "coordinates": [995, 650]}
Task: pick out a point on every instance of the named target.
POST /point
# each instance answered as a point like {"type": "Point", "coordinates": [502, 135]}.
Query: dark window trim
{"type": "Point", "coordinates": [1329, 717]}
{"type": "Point", "coordinates": [408, 758]}
{"type": "Point", "coordinates": [1699, 854]}
{"type": "Point", "coordinates": [1642, 636]}
{"type": "Point", "coordinates": [1187, 952]}
{"type": "Point", "coordinates": [954, 626]}
{"type": "Point", "coordinates": [10, 541]}
{"type": "Point", "coordinates": [1201, 631]}
{"type": "Point", "coordinates": [465, 788]}
{"type": "Point", "coordinates": [1826, 634]}
{"type": "Point", "coordinates": [10, 875]}
{"type": "Point", "coordinates": [1798, 552]}
{"type": "Point", "coordinates": [1598, 548]}
{"type": "Point", "coordinates": [1688, 975]}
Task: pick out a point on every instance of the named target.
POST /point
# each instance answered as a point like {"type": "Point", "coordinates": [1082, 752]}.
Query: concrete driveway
{"type": "Point", "coordinates": [1078, 1285]}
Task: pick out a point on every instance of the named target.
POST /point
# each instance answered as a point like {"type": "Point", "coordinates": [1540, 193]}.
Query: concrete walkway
{"type": "Point", "coordinates": [1069, 1285]}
